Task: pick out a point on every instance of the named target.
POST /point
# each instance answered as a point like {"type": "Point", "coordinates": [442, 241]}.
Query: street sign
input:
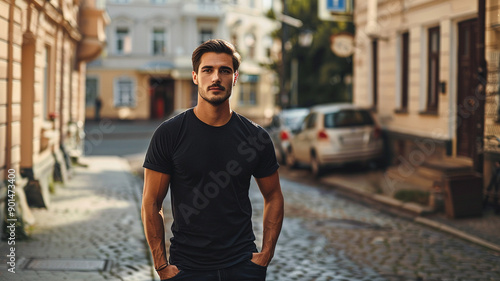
{"type": "Point", "coordinates": [335, 10]}
{"type": "Point", "coordinates": [336, 6]}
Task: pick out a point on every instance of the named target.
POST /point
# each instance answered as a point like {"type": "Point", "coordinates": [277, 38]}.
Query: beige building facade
{"type": "Point", "coordinates": [44, 47]}
{"type": "Point", "coordinates": [145, 72]}
{"type": "Point", "coordinates": [415, 65]}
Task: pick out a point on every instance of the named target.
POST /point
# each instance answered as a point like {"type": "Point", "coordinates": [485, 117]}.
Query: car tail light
{"type": "Point", "coordinates": [322, 135]}
{"type": "Point", "coordinates": [284, 135]}
{"type": "Point", "coordinates": [377, 133]}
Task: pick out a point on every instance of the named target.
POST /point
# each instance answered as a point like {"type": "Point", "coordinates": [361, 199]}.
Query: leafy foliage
{"type": "Point", "coordinates": [321, 73]}
{"type": "Point", "coordinates": [410, 195]}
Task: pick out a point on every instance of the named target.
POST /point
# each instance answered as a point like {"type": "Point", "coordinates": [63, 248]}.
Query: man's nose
{"type": "Point", "coordinates": [215, 77]}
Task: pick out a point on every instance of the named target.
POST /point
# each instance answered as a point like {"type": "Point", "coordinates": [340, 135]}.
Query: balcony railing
{"type": "Point", "coordinates": [205, 8]}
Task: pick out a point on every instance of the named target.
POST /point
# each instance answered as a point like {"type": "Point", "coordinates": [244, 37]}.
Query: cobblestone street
{"type": "Point", "coordinates": [325, 236]}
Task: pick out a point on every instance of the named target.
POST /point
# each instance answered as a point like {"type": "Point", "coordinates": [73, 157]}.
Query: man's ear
{"type": "Point", "coordinates": [195, 78]}
{"type": "Point", "coordinates": [236, 74]}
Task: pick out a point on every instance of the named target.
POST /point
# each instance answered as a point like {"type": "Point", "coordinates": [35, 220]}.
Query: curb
{"type": "Point", "coordinates": [408, 208]}
{"type": "Point", "coordinates": [459, 233]}
{"type": "Point", "coordinates": [413, 209]}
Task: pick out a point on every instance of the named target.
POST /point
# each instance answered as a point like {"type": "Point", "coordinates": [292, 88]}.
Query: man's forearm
{"type": "Point", "coordinates": [273, 220]}
{"type": "Point", "coordinates": [155, 233]}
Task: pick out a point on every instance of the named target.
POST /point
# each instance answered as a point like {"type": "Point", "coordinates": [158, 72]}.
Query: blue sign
{"type": "Point", "coordinates": [338, 6]}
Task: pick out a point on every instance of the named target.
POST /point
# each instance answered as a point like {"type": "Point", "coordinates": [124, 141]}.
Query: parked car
{"type": "Point", "coordinates": [335, 134]}
{"type": "Point", "coordinates": [281, 127]}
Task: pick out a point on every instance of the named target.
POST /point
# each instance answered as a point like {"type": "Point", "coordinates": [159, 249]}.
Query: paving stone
{"type": "Point", "coordinates": [94, 216]}
{"type": "Point", "coordinates": [398, 249]}
{"type": "Point", "coordinates": [324, 236]}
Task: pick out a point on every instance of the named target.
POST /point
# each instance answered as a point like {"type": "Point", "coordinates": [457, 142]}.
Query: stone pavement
{"type": "Point", "coordinates": [94, 217]}
{"type": "Point", "coordinates": [303, 253]}
{"type": "Point", "coordinates": [365, 186]}
{"type": "Point", "coordinates": [326, 237]}
{"type": "Point", "coordinates": [363, 242]}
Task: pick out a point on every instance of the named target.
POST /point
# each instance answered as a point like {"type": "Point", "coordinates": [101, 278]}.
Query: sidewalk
{"type": "Point", "coordinates": [91, 231]}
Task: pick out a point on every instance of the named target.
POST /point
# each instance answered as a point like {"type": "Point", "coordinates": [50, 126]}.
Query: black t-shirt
{"type": "Point", "coordinates": [210, 169]}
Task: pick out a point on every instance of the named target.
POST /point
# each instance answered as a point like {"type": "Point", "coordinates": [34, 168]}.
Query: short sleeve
{"type": "Point", "coordinates": [268, 164]}
{"type": "Point", "coordinates": [158, 157]}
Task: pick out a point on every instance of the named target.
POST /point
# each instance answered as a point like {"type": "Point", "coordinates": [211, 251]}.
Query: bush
{"type": "Point", "coordinates": [411, 195]}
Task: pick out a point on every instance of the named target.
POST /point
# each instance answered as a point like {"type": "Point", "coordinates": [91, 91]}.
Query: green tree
{"type": "Point", "coordinates": [321, 73]}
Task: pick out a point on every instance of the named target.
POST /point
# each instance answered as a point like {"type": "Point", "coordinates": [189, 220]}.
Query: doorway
{"type": "Point", "coordinates": [162, 97]}
{"type": "Point", "coordinates": [466, 85]}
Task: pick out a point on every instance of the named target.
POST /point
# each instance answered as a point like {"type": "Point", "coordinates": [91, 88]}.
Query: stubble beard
{"type": "Point", "coordinates": [216, 100]}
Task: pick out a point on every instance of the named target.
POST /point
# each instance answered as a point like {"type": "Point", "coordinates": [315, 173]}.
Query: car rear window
{"type": "Point", "coordinates": [294, 120]}
{"type": "Point", "coordinates": [348, 118]}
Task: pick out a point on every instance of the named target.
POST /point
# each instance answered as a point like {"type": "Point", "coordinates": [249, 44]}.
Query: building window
{"type": "Point", "coordinates": [158, 41]}
{"type": "Point", "coordinates": [433, 70]}
{"type": "Point", "coordinates": [405, 69]}
{"type": "Point", "coordinates": [374, 73]}
{"type": "Point", "coordinates": [268, 45]}
{"type": "Point", "coordinates": [91, 91]}
{"type": "Point", "coordinates": [250, 43]}
{"type": "Point", "coordinates": [123, 42]}
{"type": "Point", "coordinates": [124, 92]}
{"type": "Point", "coordinates": [248, 89]}
{"type": "Point", "coordinates": [205, 35]}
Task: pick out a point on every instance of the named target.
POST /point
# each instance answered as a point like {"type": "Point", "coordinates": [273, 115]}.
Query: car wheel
{"type": "Point", "coordinates": [316, 168]}
{"type": "Point", "coordinates": [290, 159]}
{"type": "Point", "coordinates": [281, 157]}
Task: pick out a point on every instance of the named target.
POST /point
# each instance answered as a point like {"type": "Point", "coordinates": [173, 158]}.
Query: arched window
{"type": "Point", "coordinates": [123, 40]}
{"type": "Point", "coordinates": [158, 41]}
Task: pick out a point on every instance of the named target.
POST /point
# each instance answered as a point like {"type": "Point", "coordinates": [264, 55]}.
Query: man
{"type": "Point", "coordinates": [208, 155]}
{"type": "Point", "coordinates": [98, 105]}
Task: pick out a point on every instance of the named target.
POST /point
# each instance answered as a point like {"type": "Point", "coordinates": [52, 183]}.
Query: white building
{"type": "Point", "coordinates": [146, 70]}
{"type": "Point", "coordinates": [415, 64]}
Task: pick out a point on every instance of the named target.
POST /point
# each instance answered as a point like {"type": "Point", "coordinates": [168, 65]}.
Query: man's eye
{"type": "Point", "coordinates": [225, 71]}
{"type": "Point", "coordinates": [206, 70]}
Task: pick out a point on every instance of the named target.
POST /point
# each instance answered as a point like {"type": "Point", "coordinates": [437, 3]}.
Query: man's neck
{"type": "Point", "coordinates": [213, 115]}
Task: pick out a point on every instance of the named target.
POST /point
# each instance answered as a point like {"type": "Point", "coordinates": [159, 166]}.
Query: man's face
{"type": "Point", "coordinates": [215, 78]}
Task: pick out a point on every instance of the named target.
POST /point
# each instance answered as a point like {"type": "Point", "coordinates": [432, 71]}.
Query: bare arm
{"type": "Point", "coordinates": [273, 217]}
{"type": "Point", "coordinates": [155, 190]}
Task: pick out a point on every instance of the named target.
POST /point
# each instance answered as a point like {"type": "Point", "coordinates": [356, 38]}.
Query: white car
{"type": "Point", "coordinates": [333, 135]}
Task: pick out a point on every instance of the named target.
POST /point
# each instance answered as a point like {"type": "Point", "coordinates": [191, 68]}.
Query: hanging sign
{"type": "Point", "coordinates": [342, 44]}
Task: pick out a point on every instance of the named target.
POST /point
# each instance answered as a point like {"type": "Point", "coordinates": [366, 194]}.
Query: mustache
{"type": "Point", "coordinates": [216, 86]}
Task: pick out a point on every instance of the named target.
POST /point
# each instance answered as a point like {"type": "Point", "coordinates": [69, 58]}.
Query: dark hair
{"type": "Point", "coordinates": [216, 46]}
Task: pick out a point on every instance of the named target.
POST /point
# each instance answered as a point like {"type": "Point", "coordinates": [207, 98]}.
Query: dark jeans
{"type": "Point", "coordinates": [244, 271]}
